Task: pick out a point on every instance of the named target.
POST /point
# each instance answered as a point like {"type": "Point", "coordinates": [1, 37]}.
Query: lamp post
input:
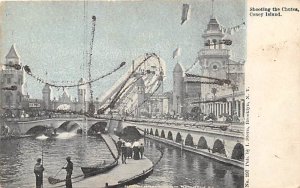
{"type": "Point", "coordinates": [214, 91]}
{"type": "Point", "coordinates": [234, 88]}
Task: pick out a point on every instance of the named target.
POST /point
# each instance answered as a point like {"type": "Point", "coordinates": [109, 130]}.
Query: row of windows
{"type": "Point", "coordinates": [9, 80]}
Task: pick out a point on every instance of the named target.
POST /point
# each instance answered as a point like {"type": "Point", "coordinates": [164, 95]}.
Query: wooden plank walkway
{"type": "Point", "coordinates": [120, 172]}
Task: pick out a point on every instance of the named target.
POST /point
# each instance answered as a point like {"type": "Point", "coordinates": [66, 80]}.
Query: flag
{"type": "Point", "coordinates": [176, 53]}
{"type": "Point", "coordinates": [185, 13]}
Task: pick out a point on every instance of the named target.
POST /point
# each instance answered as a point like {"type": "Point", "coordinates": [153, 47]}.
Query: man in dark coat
{"type": "Point", "coordinates": [69, 169]}
{"type": "Point", "coordinates": [119, 144]}
{"type": "Point", "coordinates": [38, 171]}
{"type": "Point", "coordinates": [124, 153]}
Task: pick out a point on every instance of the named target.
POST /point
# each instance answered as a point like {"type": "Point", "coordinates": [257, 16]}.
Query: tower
{"type": "Point", "coordinates": [83, 95]}
{"type": "Point", "coordinates": [214, 57]}
{"type": "Point", "coordinates": [46, 96]}
{"type": "Point", "coordinates": [140, 84]}
{"type": "Point", "coordinates": [11, 99]}
{"type": "Point", "coordinates": [178, 89]}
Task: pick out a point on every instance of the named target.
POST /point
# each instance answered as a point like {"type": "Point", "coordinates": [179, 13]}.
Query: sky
{"type": "Point", "coordinates": [49, 36]}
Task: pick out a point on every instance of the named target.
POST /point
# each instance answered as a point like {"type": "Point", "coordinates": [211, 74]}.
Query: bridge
{"type": "Point", "coordinates": [219, 140]}
{"type": "Point", "coordinates": [23, 126]}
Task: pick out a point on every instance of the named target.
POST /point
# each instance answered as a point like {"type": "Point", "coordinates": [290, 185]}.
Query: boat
{"type": "Point", "coordinates": [98, 169]}
{"type": "Point", "coordinates": [102, 168]}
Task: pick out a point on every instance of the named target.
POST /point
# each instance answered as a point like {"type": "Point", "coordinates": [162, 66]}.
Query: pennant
{"type": "Point", "coordinates": [176, 53]}
{"type": "Point", "coordinates": [185, 13]}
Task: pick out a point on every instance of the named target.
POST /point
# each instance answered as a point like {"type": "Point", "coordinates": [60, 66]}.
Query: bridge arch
{"type": "Point", "coordinates": [156, 133]}
{"type": "Point", "coordinates": [151, 131]}
{"type": "Point", "coordinates": [97, 127]}
{"type": "Point", "coordinates": [39, 129]}
{"type": "Point", "coordinates": [68, 126]}
{"type": "Point", "coordinates": [238, 152]}
{"type": "Point", "coordinates": [219, 147]}
{"type": "Point", "coordinates": [189, 140]}
{"type": "Point", "coordinates": [170, 135]}
{"type": "Point", "coordinates": [178, 138]}
{"type": "Point", "coordinates": [162, 134]}
{"type": "Point", "coordinates": [202, 143]}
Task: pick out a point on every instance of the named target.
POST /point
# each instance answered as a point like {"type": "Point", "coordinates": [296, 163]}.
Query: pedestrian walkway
{"type": "Point", "coordinates": [119, 173]}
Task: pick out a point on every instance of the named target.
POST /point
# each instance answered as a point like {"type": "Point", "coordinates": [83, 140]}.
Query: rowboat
{"type": "Point", "coordinates": [98, 169]}
{"type": "Point", "coordinates": [102, 168]}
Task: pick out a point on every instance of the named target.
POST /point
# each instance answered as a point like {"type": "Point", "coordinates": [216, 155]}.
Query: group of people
{"type": "Point", "coordinates": [133, 150]}
{"type": "Point", "coordinates": [39, 169]}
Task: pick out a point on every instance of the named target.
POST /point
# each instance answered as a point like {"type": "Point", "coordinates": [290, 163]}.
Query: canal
{"type": "Point", "coordinates": [18, 156]}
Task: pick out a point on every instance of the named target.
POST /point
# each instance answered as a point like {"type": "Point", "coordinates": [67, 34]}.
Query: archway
{"type": "Point", "coordinates": [156, 133]}
{"type": "Point", "coordinates": [178, 138]}
{"type": "Point", "coordinates": [238, 152]}
{"type": "Point", "coordinates": [151, 131]}
{"type": "Point", "coordinates": [97, 127]}
{"type": "Point", "coordinates": [202, 143]}
{"type": "Point", "coordinates": [68, 126]}
{"type": "Point", "coordinates": [218, 147]}
{"type": "Point", "coordinates": [170, 136]}
{"type": "Point", "coordinates": [162, 134]}
{"type": "Point", "coordinates": [189, 140]}
{"type": "Point", "coordinates": [147, 131]}
{"type": "Point", "coordinates": [36, 130]}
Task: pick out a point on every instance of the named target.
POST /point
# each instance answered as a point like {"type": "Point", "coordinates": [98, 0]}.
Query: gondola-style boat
{"type": "Point", "coordinates": [101, 168]}
{"type": "Point", "coordinates": [98, 169]}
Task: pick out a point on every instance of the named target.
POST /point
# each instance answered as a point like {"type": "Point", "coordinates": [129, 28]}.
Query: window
{"type": "Point", "coordinates": [8, 99]}
{"type": "Point", "coordinates": [215, 67]}
{"type": "Point", "coordinates": [8, 80]}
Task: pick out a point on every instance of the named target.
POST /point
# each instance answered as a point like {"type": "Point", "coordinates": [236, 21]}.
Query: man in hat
{"type": "Point", "coordinates": [69, 169]}
{"type": "Point", "coordinates": [38, 171]}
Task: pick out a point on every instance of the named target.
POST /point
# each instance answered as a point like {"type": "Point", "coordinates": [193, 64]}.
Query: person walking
{"type": "Point", "coordinates": [141, 150]}
{"type": "Point", "coordinates": [69, 169]}
{"type": "Point", "coordinates": [38, 171]}
{"type": "Point", "coordinates": [124, 153]}
{"type": "Point", "coordinates": [119, 145]}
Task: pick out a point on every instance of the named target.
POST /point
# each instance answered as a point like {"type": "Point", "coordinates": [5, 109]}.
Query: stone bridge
{"type": "Point", "coordinates": [227, 145]}
{"type": "Point", "coordinates": [22, 126]}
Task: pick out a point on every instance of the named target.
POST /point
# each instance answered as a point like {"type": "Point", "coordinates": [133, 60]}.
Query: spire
{"type": "Point", "coordinates": [12, 53]}
{"type": "Point", "coordinates": [212, 8]}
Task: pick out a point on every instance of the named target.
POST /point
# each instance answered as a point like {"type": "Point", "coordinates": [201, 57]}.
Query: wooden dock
{"type": "Point", "coordinates": [121, 172]}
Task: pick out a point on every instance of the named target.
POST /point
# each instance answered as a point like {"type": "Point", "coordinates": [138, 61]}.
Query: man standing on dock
{"type": "Point", "coordinates": [124, 153]}
{"type": "Point", "coordinates": [38, 171]}
{"type": "Point", "coordinates": [69, 169]}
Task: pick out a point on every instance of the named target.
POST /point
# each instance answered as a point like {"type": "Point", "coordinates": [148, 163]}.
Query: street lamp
{"type": "Point", "coordinates": [234, 88]}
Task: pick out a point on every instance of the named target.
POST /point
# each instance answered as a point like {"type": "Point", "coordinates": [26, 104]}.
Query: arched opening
{"type": "Point", "coordinates": [189, 140]}
{"type": "Point", "coordinates": [97, 127]}
{"type": "Point", "coordinates": [218, 147]}
{"type": "Point", "coordinates": [178, 138]}
{"type": "Point", "coordinates": [151, 131]}
{"type": "Point", "coordinates": [68, 126]}
{"type": "Point", "coordinates": [162, 134]}
{"type": "Point", "coordinates": [36, 130]}
{"type": "Point", "coordinates": [147, 131]}
{"type": "Point", "coordinates": [238, 152]}
{"type": "Point", "coordinates": [202, 143]}
{"type": "Point", "coordinates": [215, 43]}
{"type": "Point", "coordinates": [170, 136]}
{"type": "Point", "coordinates": [156, 133]}
{"type": "Point", "coordinates": [131, 134]}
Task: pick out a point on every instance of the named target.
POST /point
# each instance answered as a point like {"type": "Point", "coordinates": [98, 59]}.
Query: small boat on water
{"type": "Point", "coordinates": [98, 169]}
{"type": "Point", "coordinates": [103, 167]}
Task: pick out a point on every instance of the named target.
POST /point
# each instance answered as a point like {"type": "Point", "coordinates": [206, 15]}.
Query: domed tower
{"type": "Point", "coordinates": [12, 77]}
{"type": "Point", "coordinates": [214, 56]}
{"type": "Point", "coordinates": [140, 84]}
{"type": "Point", "coordinates": [178, 89]}
{"type": "Point", "coordinates": [47, 96]}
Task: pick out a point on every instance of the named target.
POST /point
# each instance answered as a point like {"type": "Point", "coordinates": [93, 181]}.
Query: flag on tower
{"type": "Point", "coordinates": [185, 13]}
{"type": "Point", "coordinates": [176, 53]}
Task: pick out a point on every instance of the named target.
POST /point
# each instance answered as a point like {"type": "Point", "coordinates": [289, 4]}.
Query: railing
{"type": "Point", "coordinates": [214, 52]}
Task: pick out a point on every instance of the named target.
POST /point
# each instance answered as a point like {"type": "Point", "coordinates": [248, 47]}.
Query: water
{"type": "Point", "coordinates": [17, 158]}
{"type": "Point", "coordinates": [188, 169]}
